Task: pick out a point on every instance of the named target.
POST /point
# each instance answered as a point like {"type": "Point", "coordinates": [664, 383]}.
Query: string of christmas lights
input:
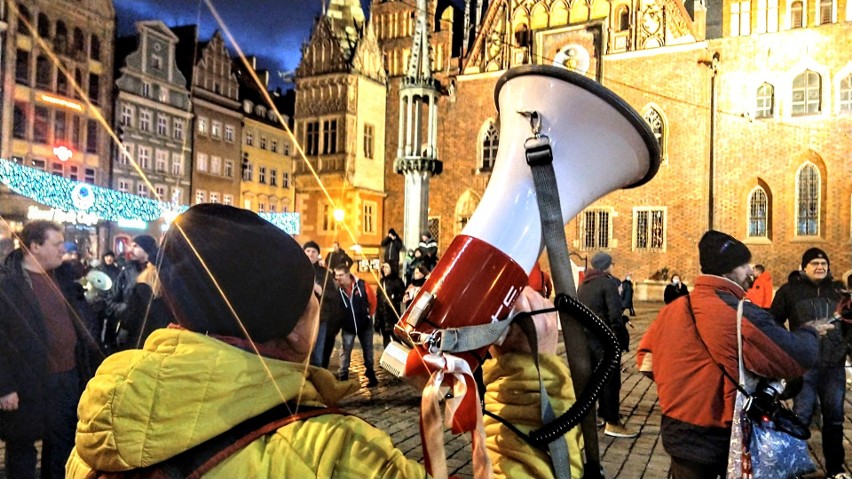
{"type": "Point", "coordinates": [107, 204]}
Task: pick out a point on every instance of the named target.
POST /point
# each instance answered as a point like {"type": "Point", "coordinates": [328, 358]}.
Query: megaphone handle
{"type": "Point", "coordinates": [603, 370]}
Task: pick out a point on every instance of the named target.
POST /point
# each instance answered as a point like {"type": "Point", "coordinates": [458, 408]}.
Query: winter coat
{"type": "Point", "coordinates": [599, 292]}
{"type": "Point", "coordinates": [337, 258]}
{"type": "Point", "coordinates": [801, 300]}
{"type": "Point", "coordinates": [627, 294]}
{"type": "Point", "coordinates": [23, 347]}
{"type": "Point", "coordinates": [330, 309]}
{"type": "Point", "coordinates": [358, 307]}
{"type": "Point", "coordinates": [145, 406]}
{"type": "Point", "coordinates": [146, 310]}
{"type": "Point", "coordinates": [760, 292]}
{"type": "Point", "coordinates": [674, 291]}
{"type": "Point", "coordinates": [389, 303]}
{"type": "Point", "coordinates": [696, 399]}
{"type": "Point", "coordinates": [392, 247]}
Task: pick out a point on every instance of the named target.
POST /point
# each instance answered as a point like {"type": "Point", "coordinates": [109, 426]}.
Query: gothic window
{"type": "Point", "coordinates": [622, 17]}
{"type": "Point", "coordinates": [43, 26]}
{"type": "Point", "coordinates": [24, 18]}
{"type": "Point", "coordinates": [95, 48]}
{"type": "Point", "coordinates": [660, 129]}
{"type": "Point", "coordinates": [649, 229]}
{"type": "Point", "coordinates": [78, 40]}
{"type": "Point", "coordinates": [312, 138]}
{"type": "Point", "coordinates": [593, 229]}
{"type": "Point", "coordinates": [807, 201]}
{"type": "Point", "coordinates": [523, 36]}
{"type": "Point", "coordinates": [758, 213]}
{"type": "Point", "coordinates": [807, 94]}
{"type": "Point", "coordinates": [845, 89]}
{"type": "Point", "coordinates": [94, 88]}
{"type": "Point", "coordinates": [22, 67]}
{"type": "Point", "coordinates": [796, 15]}
{"type": "Point", "coordinates": [490, 142]}
{"type": "Point", "coordinates": [765, 101]}
{"type": "Point", "coordinates": [60, 40]}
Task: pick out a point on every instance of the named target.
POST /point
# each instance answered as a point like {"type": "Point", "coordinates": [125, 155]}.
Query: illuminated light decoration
{"type": "Point", "coordinates": [54, 214]}
{"type": "Point", "coordinates": [55, 100]}
{"type": "Point", "coordinates": [289, 222]}
{"type": "Point", "coordinates": [83, 197]}
{"type": "Point", "coordinates": [132, 224]}
{"type": "Point", "coordinates": [63, 152]}
{"type": "Point", "coordinates": [106, 204]}
{"type": "Point", "coordinates": [339, 215]}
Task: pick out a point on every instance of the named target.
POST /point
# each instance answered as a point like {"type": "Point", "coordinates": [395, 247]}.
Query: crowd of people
{"type": "Point", "coordinates": [176, 332]}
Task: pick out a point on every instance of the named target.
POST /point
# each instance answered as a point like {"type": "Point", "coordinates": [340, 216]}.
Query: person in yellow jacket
{"type": "Point", "coordinates": [199, 378]}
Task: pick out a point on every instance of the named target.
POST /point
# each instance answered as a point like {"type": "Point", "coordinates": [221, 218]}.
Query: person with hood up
{"type": "Point", "coordinates": [809, 295]}
{"type": "Point", "coordinates": [226, 362]}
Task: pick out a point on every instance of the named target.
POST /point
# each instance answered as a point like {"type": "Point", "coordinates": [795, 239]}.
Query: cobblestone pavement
{"type": "Point", "coordinates": [394, 407]}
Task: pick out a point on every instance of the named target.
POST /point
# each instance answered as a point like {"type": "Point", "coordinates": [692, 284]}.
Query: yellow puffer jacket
{"type": "Point", "coordinates": [145, 406]}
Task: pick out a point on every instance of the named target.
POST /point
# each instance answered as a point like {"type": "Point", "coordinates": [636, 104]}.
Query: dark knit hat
{"type": "Point", "coordinates": [812, 254]}
{"type": "Point", "coordinates": [261, 270]}
{"type": "Point", "coordinates": [311, 244]}
{"type": "Point", "coordinates": [601, 261]}
{"type": "Point", "coordinates": [149, 245]}
{"type": "Point", "coordinates": [721, 253]}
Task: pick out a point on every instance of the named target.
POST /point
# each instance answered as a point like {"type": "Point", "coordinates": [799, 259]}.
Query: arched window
{"type": "Point", "coordinates": [807, 94]}
{"type": "Point", "coordinates": [807, 201]}
{"type": "Point", "coordinates": [845, 89]}
{"type": "Point", "coordinates": [796, 15]}
{"type": "Point", "coordinates": [78, 40]}
{"type": "Point", "coordinates": [622, 16]}
{"type": "Point", "coordinates": [826, 11]}
{"type": "Point", "coordinates": [24, 18]}
{"type": "Point", "coordinates": [490, 141]}
{"type": "Point", "coordinates": [758, 213]}
{"type": "Point", "coordinates": [523, 36]}
{"type": "Point", "coordinates": [95, 48]}
{"type": "Point", "coordinates": [765, 107]}
{"type": "Point", "coordinates": [60, 40]}
{"type": "Point", "coordinates": [61, 83]}
{"type": "Point", "coordinates": [659, 128]}
{"type": "Point", "coordinates": [43, 26]}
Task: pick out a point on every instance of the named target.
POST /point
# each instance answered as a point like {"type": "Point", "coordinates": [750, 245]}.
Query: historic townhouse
{"type": "Point", "coordinates": [217, 119]}
{"type": "Point", "coordinates": [57, 78]}
{"type": "Point", "coordinates": [152, 115]}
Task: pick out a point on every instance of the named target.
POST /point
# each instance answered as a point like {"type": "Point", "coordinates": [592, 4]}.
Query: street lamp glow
{"type": "Point", "coordinates": [338, 215]}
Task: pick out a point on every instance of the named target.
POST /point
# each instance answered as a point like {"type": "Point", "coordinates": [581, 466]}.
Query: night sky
{"type": "Point", "coordinates": [272, 30]}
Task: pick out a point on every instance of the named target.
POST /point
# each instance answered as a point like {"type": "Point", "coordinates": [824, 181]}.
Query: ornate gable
{"type": "Point", "coordinates": [325, 53]}
{"type": "Point", "coordinates": [368, 59]}
{"type": "Point", "coordinates": [516, 32]}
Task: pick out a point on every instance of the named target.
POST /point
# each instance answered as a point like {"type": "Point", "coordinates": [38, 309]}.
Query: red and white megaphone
{"type": "Point", "coordinates": [599, 144]}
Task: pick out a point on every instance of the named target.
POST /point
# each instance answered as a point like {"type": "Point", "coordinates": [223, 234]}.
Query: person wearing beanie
{"type": "Point", "coordinates": [694, 339]}
{"type": "Point", "coordinates": [599, 291]}
{"type": "Point", "coordinates": [809, 294]}
{"type": "Point", "coordinates": [246, 318]}
{"type": "Point", "coordinates": [143, 254]}
{"type": "Point", "coordinates": [325, 290]}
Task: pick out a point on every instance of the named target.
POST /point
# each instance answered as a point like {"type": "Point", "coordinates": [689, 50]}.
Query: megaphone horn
{"type": "Point", "coordinates": [599, 144]}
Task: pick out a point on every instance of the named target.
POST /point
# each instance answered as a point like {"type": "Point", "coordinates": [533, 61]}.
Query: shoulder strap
{"type": "Point", "coordinates": [736, 383]}
{"type": "Point", "coordinates": [199, 460]}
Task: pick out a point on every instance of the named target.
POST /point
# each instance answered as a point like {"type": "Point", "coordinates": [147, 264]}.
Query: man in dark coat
{"type": "Point", "coordinates": [358, 307]}
{"type": "Point", "coordinates": [109, 267]}
{"type": "Point", "coordinates": [392, 246]}
{"type": "Point", "coordinates": [599, 292]}
{"type": "Point", "coordinates": [627, 294]}
{"type": "Point", "coordinates": [47, 353]}
{"type": "Point", "coordinates": [325, 290]}
{"type": "Point", "coordinates": [810, 295]}
{"type": "Point", "coordinates": [337, 257]}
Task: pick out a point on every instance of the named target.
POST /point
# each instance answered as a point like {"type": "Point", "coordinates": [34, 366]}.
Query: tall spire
{"type": "Point", "coordinates": [420, 61]}
{"type": "Point", "coordinates": [417, 152]}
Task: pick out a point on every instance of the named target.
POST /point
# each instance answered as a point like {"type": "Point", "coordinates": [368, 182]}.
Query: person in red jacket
{"type": "Point", "coordinates": [693, 336]}
{"type": "Point", "coordinates": [760, 292]}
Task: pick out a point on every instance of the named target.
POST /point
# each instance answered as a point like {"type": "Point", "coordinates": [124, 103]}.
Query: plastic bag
{"type": "Point", "coordinates": [775, 454]}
